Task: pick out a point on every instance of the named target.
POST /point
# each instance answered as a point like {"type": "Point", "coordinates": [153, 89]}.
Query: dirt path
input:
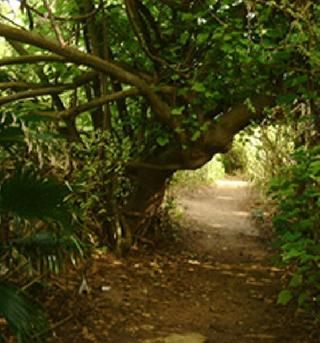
{"type": "Point", "coordinates": [215, 285]}
{"type": "Point", "coordinates": [221, 217]}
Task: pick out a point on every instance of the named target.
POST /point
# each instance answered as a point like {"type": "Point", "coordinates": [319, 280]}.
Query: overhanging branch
{"type": "Point", "coordinates": [220, 134]}
{"type": "Point", "coordinates": [30, 59]}
{"type": "Point", "coordinates": [34, 93]}
{"type": "Point", "coordinates": [160, 108]}
{"type": "Point", "coordinates": [73, 112]}
{"type": "Point", "coordinates": [76, 110]}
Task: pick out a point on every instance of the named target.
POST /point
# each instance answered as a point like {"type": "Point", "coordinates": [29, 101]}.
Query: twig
{"type": "Point", "coordinates": [25, 287]}
{"type": "Point", "coordinates": [54, 25]}
{"type": "Point", "coordinates": [53, 326]}
{"type": "Point", "coordinates": [60, 18]}
{"type": "Point", "coordinates": [215, 17]}
{"type": "Point", "coordinates": [12, 22]}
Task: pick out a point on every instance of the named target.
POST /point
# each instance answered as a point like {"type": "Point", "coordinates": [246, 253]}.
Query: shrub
{"type": "Point", "coordinates": [208, 174]}
{"type": "Point", "coordinates": [297, 222]}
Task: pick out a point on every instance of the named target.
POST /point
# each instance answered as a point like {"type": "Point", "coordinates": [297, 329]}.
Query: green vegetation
{"type": "Point", "coordinates": [38, 235]}
{"type": "Point", "coordinates": [206, 175]}
{"type": "Point", "coordinates": [282, 157]}
{"type": "Point", "coordinates": [103, 102]}
{"type": "Point", "coordinates": [297, 223]}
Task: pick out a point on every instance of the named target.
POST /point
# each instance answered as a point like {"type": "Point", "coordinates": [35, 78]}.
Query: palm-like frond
{"type": "Point", "coordinates": [27, 195]}
{"type": "Point", "coordinates": [10, 133]}
{"type": "Point", "coordinates": [25, 319]}
{"type": "Point", "coordinates": [48, 251]}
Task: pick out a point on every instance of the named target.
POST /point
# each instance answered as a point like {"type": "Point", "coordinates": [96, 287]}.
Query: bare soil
{"type": "Point", "coordinates": [215, 280]}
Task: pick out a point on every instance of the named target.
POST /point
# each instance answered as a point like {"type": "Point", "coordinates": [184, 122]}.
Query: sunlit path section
{"type": "Point", "coordinates": [223, 210]}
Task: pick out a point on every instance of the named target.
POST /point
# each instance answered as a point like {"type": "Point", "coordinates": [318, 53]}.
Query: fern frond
{"type": "Point", "coordinates": [47, 251]}
{"type": "Point", "coordinates": [27, 195]}
{"type": "Point", "coordinates": [25, 319]}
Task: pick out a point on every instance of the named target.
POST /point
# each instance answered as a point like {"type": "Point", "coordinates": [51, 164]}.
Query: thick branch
{"type": "Point", "coordinates": [216, 140]}
{"type": "Point", "coordinates": [34, 93]}
{"type": "Point", "coordinates": [39, 71]}
{"type": "Point", "coordinates": [75, 111]}
{"type": "Point", "coordinates": [160, 108]}
{"type": "Point", "coordinates": [100, 101]}
{"type": "Point", "coordinates": [20, 85]}
{"type": "Point", "coordinates": [221, 133]}
{"type": "Point", "coordinates": [70, 54]}
{"type": "Point", "coordinates": [77, 82]}
{"type": "Point", "coordinates": [29, 59]}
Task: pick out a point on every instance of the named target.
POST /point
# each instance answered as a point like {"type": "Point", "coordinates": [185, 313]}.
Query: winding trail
{"type": "Point", "coordinates": [215, 284]}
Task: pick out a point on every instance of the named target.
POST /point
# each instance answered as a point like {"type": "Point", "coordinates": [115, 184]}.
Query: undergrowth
{"type": "Point", "coordinates": [297, 223]}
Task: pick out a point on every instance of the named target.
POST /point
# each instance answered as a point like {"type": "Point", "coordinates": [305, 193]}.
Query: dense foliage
{"type": "Point", "coordinates": [297, 223]}
{"type": "Point", "coordinates": [38, 234]}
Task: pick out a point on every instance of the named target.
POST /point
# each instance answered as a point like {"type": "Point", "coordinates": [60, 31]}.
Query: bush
{"type": "Point", "coordinates": [208, 174]}
{"type": "Point", "coordinates": [297, 222]}
{"type": "Point", "coordinates": [235, 160]}
{"type": "Point", "coordinates": [37, 230]}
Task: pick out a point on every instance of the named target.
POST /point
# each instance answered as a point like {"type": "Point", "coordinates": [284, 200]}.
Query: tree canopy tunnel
{"type": "Point", "coordinates": [175, 79]}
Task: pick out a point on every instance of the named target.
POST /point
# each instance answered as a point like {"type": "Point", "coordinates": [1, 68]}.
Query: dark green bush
{"type": "Point", "coordinates": [37, 226]}
{"type": "Point", "coordinates": [297, 223]}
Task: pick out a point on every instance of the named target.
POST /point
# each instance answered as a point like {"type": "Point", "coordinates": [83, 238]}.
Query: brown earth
{"type": "Point", "coordinates": [214, 282]}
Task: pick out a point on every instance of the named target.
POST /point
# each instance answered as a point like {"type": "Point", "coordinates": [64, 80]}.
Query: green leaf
{"type": "Point", "coordinates": [296, 281]}
{"type": "Point", "coordinates": [184, 37]}
{"type": "Point", "coordinates": [163, 140]}
{"type": "Point", "coordinates": [196, 135]}
{"type": "Point", "coordinates": [202, 37]}
{"type": "Point", "coordinates": [199, 87]}
{"type": "Point", "coordinates": [292, 253]}
{"type": "Point", "coordinates": [284, 297]}
{"type": "Point", "coordinates": [48, 251]}
{"type": "Point", "coordinates": [177, 111]}
{"type": "Point", "coordinates": [187, 16]}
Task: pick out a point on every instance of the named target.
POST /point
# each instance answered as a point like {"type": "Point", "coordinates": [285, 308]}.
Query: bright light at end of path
{"type": "Point", "coordinates": [232, 183]}
{"type": "Point", "coordinates": [14, 4]}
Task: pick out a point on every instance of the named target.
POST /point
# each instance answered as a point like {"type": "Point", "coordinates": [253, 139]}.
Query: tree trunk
{"type": "Point", "coordinates": [142, 206]}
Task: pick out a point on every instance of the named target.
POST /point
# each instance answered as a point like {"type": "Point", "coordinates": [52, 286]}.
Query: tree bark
{"type": "Point", "coordinates": [143, 204]}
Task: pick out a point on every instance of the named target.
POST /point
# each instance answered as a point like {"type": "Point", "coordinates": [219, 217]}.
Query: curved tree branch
{"type": "Point", "coordinates": [132, 7]}
{"type": "Point", "coordinates": [30, 59]}
{"type": "Point", "coordinates": [34, 93]}
{"type": "Point", "coordinates": [21, 85]}
{"type": "Point", "coordinates": [217, 139]}
{"type": "Point", "coordinates": [139, 24]}
{"type": "Point", "coordinates": [159, 107]}
{"type": "Point", "coordinates": [221, 132]}
{"type": "Point", "coordinates": [75, 111]}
